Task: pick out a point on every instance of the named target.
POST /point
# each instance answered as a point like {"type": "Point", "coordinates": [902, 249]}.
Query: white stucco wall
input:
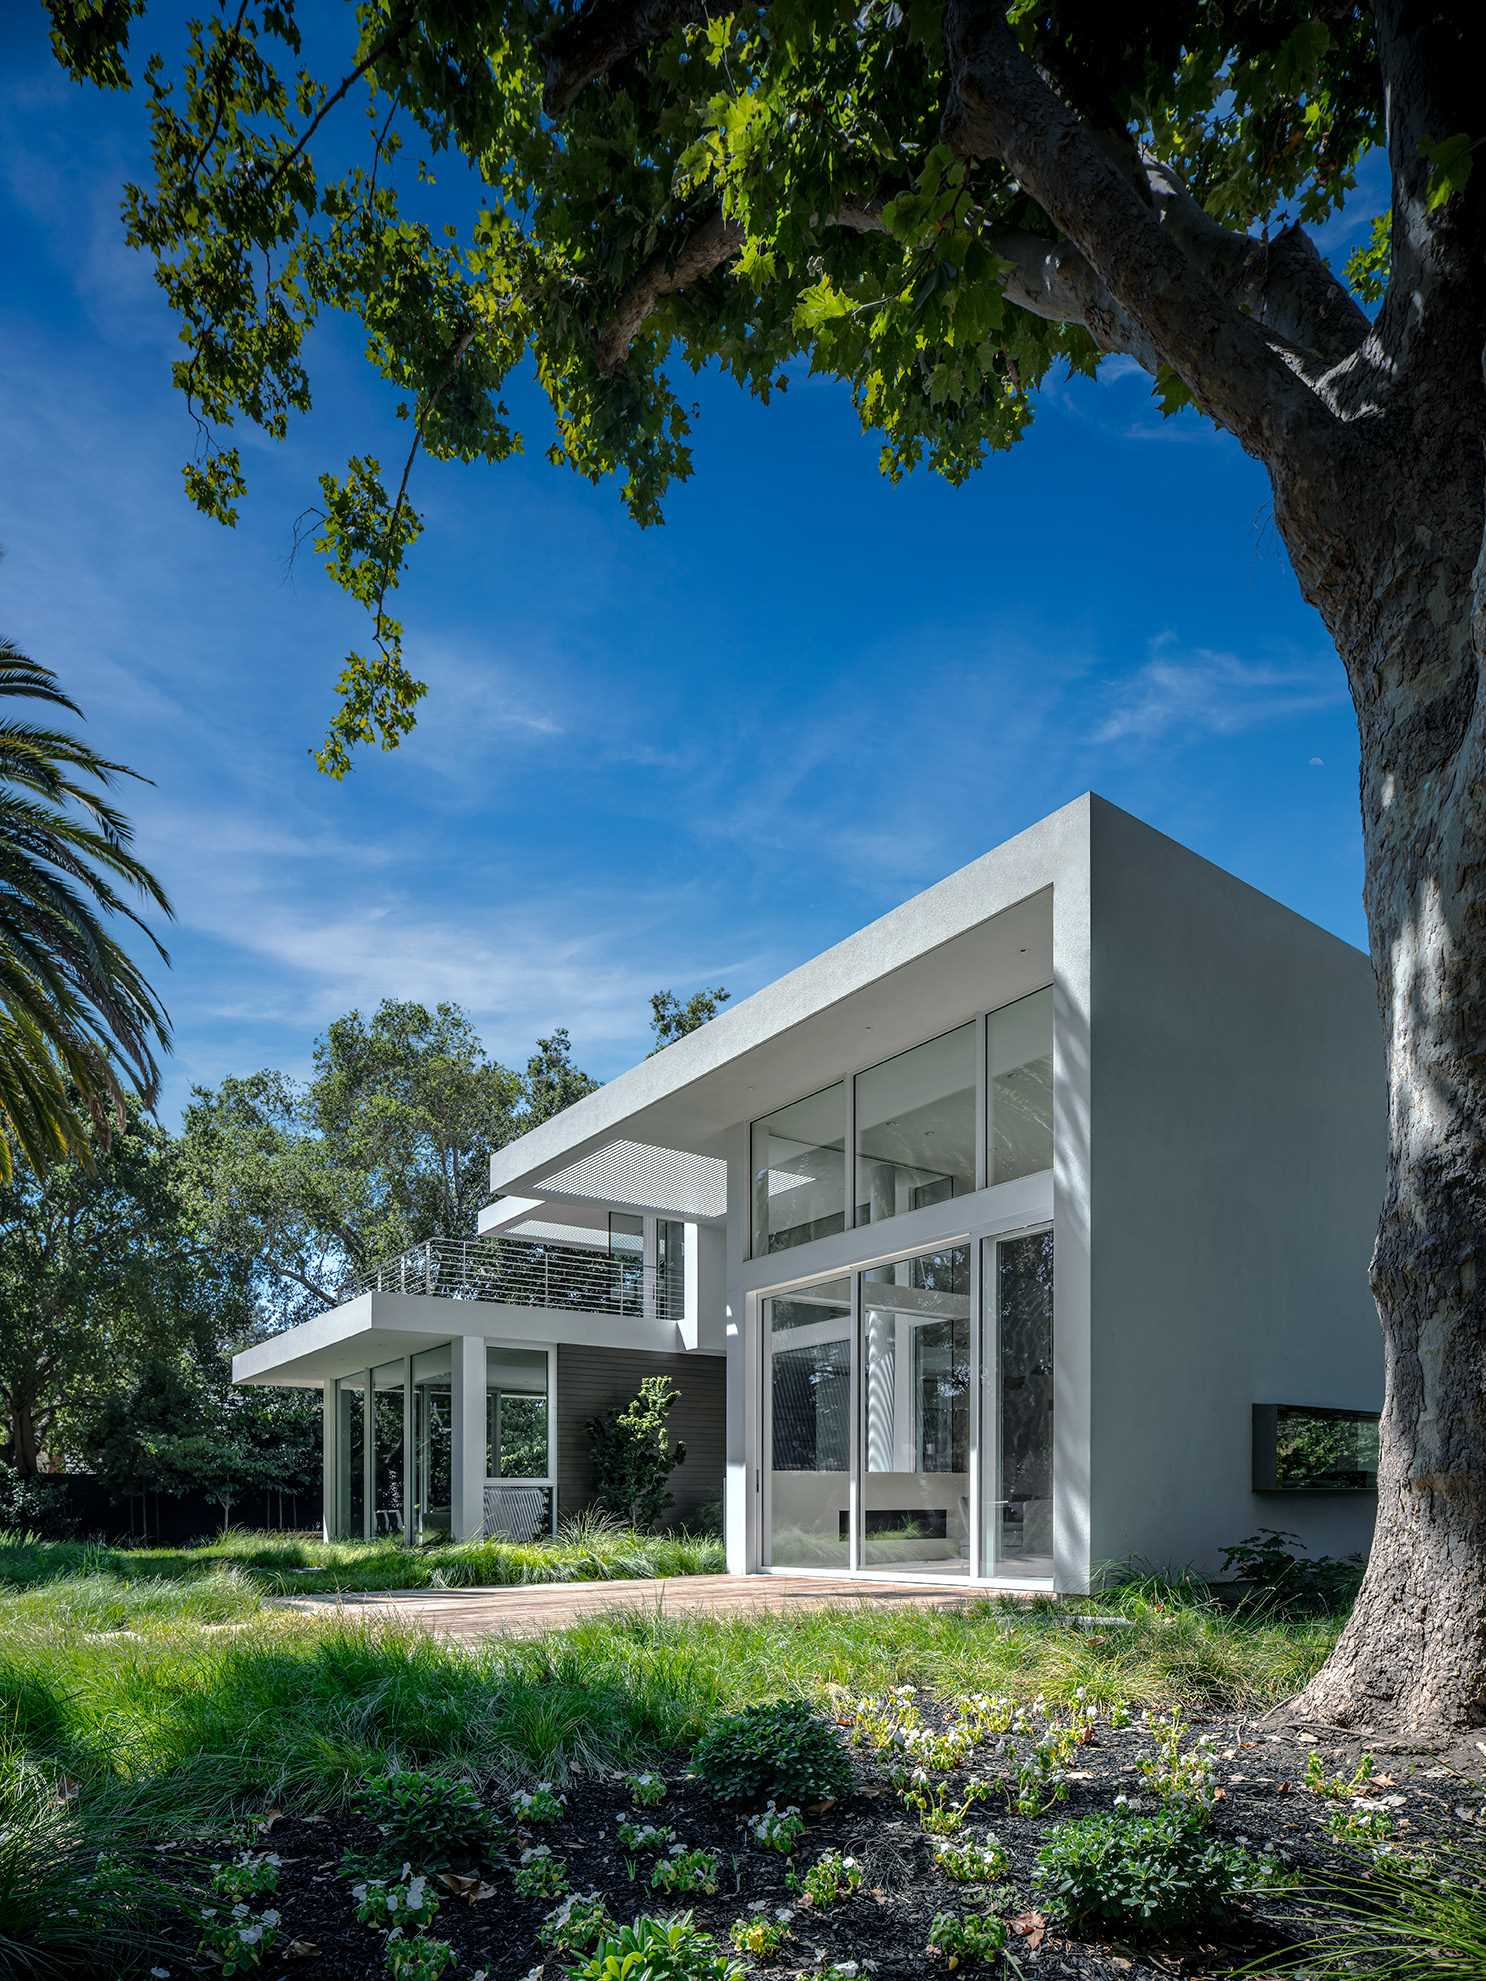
{"type": "Point", "coordinates": [1236, 1163]}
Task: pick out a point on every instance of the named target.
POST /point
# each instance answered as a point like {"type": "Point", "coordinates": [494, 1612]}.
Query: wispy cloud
{"type": "Point", "coordinates": [1203, 692]}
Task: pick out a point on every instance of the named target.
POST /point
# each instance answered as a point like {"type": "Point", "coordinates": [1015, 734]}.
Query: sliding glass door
{"type": "Point", "coordinates": [895, 1403]}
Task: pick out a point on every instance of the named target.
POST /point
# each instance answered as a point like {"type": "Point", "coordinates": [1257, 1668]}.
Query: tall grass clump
{"type": "Point", "coordinates": [1408, 1915]}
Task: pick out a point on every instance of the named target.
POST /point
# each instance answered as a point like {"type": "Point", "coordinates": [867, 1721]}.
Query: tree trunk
{"type": "Point", "coordinates": [25, 1454]}
{"type": "Point", "coordinates": [1405, 597]}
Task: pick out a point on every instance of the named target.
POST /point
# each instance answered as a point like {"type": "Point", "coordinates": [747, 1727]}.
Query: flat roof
{"type": "Point", "coordinates": [979, 939]}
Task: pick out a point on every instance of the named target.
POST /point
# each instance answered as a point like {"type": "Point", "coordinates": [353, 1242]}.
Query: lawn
{"type": "Point", "coordinates": [158, 1704]}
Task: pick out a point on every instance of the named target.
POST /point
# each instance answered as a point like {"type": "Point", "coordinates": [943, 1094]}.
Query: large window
{"type": "Point", "coordinates": [350, 1407]}
{"type": "Point", "coordinates": [1019, 1088]}
{"type": "Point", "coordinates": [799, 1172]}
{"type": "Point", "coordinates": [515, 1413]}
{"type": "Point", "coordinates": [807, 1337]}
{"type": "Point", "coordinates": [916, 1413]}
{"type": "Point", "coordinates": [387, 1457]}
{"type": "Point", "coordinates": [916, 1128]}
{"type": "Point", "coordinates": [1299, 1449]}
{"type": "Point", "coordinates": [1017, 1445]}
{"type": "Point", "coordinates": [433, 1420]}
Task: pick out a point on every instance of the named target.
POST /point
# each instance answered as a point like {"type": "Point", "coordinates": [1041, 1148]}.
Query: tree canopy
{"type": "Point", "coordinates": [597, 191]}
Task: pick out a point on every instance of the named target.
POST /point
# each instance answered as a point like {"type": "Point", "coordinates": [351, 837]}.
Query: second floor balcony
{"type": "Point", "coordinates": [524, 1273]}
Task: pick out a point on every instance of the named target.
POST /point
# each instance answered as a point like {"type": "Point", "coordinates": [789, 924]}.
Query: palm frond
{"type": "Point", "coordinates": [80, 1027]}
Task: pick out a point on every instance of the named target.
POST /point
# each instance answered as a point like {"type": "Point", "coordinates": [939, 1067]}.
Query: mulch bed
{"type": "Point", "coordinates": [885, 1926]}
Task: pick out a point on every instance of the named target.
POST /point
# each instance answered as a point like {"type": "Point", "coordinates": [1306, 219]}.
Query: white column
{"type": "Point", "coordinates": [467, 1458]}
{"type": "Point", "coordinates": [331, 1455]}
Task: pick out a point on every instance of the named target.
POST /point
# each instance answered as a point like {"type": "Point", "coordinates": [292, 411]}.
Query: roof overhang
{"type": "Point", "coordinates": [384, 1327]}
{"type": "Point", "coordinates": [979, 939]}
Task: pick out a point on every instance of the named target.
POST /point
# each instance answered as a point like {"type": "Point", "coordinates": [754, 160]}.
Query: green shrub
{"type": "Point", "coordinates": [633, 1457]}
{"type": "Point", "coordinates": [659, 1950]}
{"type": "Point", "coordinates": [971, 1939]}
{"type": "Point", "coordinates": [577, 1925]}
{"type": "Point", "coordinates": [417, 1959]}
{"type": "Point", "coordinates": [1145, 1876]}
{"type": "Point", "coordinates": [425, 1817]}
{"type": "Point", "coordinates": [1281, 1577]}
{"type": "Point", "coordinates": [780, 1752]}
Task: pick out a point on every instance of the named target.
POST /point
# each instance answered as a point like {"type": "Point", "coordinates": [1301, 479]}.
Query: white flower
{"type": "Point", "coordinates": [534, 1851]}
{"type": "Point", "coordinates": [270, 1918]}
{"type": "Point", "coordinates": [159, 1974]}
{"type": "Point", "coordinates": [759, 1905]}
{"type": "Point", "coordinates": [250, 1935]}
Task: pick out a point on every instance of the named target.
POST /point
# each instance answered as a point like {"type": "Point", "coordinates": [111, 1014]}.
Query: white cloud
{"type": "Point", "coordinates": [1206, 692]}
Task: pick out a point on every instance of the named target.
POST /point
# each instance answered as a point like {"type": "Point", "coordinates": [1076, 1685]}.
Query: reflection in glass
{"type": "Point", "coordinates": [1019, 1088]}
{"type": "Point", "coordinates": [1018, 1378]}
{"type": "Point", "coordinates": [433, 1422]}
{"type": "Point", "coordinates": [350, 1405]}
{"type": "Point", "coordinates": [1320, 1450]}
{"type": "Point", "coordinates": [799, 1172]}
{"type": "Point", "coordinates": [670, 1266]}
{"type": "Point", "coordinates": [387, 1451]}
{"type": "Point", "coordinates": [807, 1344]}
{"type": "Point", "coordinates": [916, 1128]}
{"type": "Point", "coordinates": [515, 1413]}
{"type": "Point", "coordinates": [916, 1413]}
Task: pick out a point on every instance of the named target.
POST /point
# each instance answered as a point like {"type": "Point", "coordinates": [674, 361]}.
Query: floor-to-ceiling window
{"type": "Point", "coordinates": [1017, 1381]}
{"type": "Point", "coordinates": [808, 1399]}
{"type": "Point", "coordinates": [1019, 1088]}
{"type": "Point", "coordinates": [433, 1421]}
{"type": "Point", "coordinates": [872, 1430]}
{"type": "Point", "coordinates": [350, 1445]}
{"type": "Point", "coordinates": [916, 1413]}
{"type": "Point", "coordinates": [387, 1448]}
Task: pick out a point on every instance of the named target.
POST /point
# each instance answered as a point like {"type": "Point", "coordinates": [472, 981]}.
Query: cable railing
{"type": "Point", "coordinates": [519, 1273]}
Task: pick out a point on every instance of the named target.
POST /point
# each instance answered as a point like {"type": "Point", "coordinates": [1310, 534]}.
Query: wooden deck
{"type": "Point", "coordinates": [526, 1610]}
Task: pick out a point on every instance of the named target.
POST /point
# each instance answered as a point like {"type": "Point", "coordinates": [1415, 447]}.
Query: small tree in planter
{"type": "Point", "coordinates": [633, 1456]}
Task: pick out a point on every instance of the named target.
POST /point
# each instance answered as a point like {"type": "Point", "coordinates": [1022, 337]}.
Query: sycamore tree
{"type": "Point", "coordinates": [937, 202]}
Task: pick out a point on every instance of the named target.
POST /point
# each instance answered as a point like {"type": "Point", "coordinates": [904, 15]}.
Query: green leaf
{"type": "Point", "coordinates": [1449, 167]}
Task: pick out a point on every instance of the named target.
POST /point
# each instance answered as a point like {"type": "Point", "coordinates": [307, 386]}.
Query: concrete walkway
{"type": "Point", "coordinates": [528, 1609]}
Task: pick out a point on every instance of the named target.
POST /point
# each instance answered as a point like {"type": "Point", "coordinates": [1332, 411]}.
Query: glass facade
{"type": "Point", "coordinates": [799, 1172]}
{"type": "Point", "coordinates": [433, 1442]}
{"type": "Point", "coordinates": [877, 1427]}
{"type": "Point", "coordinates": [1019, 1088]}
{"type": "Point", "coordinates": [915, 1124]}
{"type": "Point", "coordinates": [807, 1344]}
{"type": "Point", "coordinates": [1017, 1366]}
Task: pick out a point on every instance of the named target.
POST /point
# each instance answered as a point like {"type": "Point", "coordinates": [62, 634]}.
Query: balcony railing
{"type": "Point", "coordinates": [517, 1273]}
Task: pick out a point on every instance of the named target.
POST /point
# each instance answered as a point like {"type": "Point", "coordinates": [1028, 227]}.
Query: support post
{"type": "Point", "coordinates": [330, 1512]}
{"type": "Point", "coordinates": [467, 1404]}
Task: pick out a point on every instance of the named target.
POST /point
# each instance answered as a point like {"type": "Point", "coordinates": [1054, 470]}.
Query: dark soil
{"type": "Point", "coordinates": [885, 1927]}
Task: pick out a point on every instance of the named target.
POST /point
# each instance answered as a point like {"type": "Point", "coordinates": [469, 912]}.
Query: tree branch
{"type": "Point", "coordinates": [589, 42]}
{"type": "Point", "coordinates": [1000, 108]}
{"type": "Point", "coordinates": [706, 249]}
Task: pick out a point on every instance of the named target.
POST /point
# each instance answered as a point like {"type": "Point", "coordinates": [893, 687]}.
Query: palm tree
{"type": "Point", "coordinates": [79, 1025]}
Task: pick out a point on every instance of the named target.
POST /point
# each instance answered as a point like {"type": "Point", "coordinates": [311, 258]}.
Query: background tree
{"type": "Point", "coordinates": [671, 1019]}
{"type": "Point", "coordinates": [938, 204]}
{"type": "Point", "coordinates": [388, 1144]}
{"type": "Point", "coordinates": [97, 1279]}
{"type": "Point", "coordinates": [79, 1024]}
{"type": "Point", "coordinates": [552, 1080]}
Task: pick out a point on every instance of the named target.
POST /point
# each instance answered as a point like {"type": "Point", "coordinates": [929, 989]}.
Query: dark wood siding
{"type": "Point", "coordinates": [592, 1380]}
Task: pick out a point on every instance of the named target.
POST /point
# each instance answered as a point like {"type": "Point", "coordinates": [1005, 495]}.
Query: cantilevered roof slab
{"type": "Point", "coordinates": [978, 940]}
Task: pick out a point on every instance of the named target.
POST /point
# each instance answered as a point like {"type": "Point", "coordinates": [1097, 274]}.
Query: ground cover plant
{"type": "Point", "coordinates": [586, 1549]}
{"type": "Point", "coordinates": [514, 1779]}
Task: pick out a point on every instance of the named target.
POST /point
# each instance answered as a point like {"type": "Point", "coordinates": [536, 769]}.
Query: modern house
{"type": "Point", "coordinates": [1030, 1224]}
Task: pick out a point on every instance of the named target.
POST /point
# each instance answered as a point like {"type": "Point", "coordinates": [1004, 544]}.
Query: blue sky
{"type": "Point", "coordinates": [694, 754]}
